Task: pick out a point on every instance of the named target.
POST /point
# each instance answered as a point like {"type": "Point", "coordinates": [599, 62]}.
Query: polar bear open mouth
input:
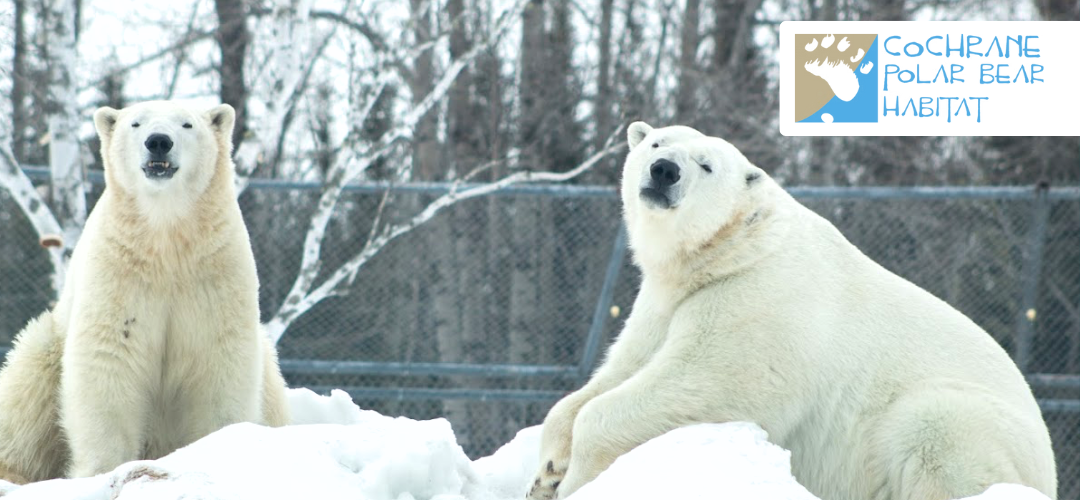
{"type": "Point", "coordinates": [157, 169]}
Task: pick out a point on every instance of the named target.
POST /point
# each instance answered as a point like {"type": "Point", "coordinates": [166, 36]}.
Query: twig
{"type": "Point", "coordinates": [181, 56]}
{"type": "Point", "coordinates": [190, 39]}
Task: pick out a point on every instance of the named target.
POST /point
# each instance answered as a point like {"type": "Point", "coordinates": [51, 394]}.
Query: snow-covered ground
{"type": "Point", "coordinates": [338, 451]}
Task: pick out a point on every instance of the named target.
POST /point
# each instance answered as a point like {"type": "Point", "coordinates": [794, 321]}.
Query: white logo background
{"type": "Point", "coordinates": [948, 106]}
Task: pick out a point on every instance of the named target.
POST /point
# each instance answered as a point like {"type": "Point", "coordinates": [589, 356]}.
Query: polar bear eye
{"type": "Point", "coordinates": [656, 144]}
{"type": "Point", "coordinates": [187, 125]}
{"type": "Point", "coordinates": [706, 167]}
{"type": "Point", "coordinates": [134, 124]}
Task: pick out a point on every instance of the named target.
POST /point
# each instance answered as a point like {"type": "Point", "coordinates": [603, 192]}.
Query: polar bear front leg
{"type": "Point", "coordinates": [222, 387]}
{"type": "Point", "coordinates": [635, 346]}
{"type": "Point", "coordinates": [659, 398]}
{"type": "Point", "coordinates": [555, 440]}
{"type": "Point", "coordinates": [107, 387]}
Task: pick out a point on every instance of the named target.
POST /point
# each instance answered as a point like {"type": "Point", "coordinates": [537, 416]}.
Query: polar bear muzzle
{"type": "Point", "coordinates": [657, 191]}
{"type": "Point", "coordinates": [159, 166]}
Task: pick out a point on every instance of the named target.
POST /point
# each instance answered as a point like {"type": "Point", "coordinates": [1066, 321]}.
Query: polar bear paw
{"type": "Point", "coordinates": [546, 485]}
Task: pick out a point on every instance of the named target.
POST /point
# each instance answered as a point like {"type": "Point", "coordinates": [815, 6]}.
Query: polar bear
{"type": "Point", "coordinates": [155, 340]}
{"type": "Point", "coordinates": [754, 308]}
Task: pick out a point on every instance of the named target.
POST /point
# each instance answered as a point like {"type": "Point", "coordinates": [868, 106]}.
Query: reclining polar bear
{"type": "Point", "coordinates": [754, 308]}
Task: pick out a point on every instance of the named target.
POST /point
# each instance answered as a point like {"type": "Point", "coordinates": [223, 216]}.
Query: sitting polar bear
{"type": "Point", "coordinates": [155, 341]}
{"type": "Point", "coordinates": [754, 308]}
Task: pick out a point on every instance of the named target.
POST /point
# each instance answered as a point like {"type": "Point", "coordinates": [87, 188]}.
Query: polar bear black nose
{"type": "Point", "coordinates": [664, 173]}
{"type": "Point", "coordinates": [158, 144]}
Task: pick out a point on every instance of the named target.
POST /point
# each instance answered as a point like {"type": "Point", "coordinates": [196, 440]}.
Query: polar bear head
{"type": "Point", "coordinates": [165, 154]}
{"type": "Point", "coordinates": [683, 192]}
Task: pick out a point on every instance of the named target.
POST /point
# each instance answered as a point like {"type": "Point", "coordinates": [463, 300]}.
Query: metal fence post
{"type": "Point", "coordinates": [1032, 270]}
{"type": "Point", "coordinates": [603, 306]}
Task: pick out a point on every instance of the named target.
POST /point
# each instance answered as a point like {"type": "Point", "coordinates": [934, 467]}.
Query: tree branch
{"type": "Point", "coordinates": [289, 69]}
{"type": "Point", "coordinates": [300, 301]}
{"type": "Point", "coordinates": [189, 39]}
{"type": "Point", "coordinates": [348, 166]}
{"type": "Point", "coordinates": [31, 203]}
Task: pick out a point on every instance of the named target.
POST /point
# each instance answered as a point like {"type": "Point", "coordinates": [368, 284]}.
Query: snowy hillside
{"type": "Point", "coordinates": [343, 452]}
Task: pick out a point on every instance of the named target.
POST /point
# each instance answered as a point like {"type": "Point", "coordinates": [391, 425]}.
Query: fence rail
{"type": "Point", "coordinates": [41, 174]}
{"type": "Point", "coordinates": [322, 367]}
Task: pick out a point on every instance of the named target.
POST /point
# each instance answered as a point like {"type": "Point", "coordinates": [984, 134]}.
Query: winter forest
{"type": "Point", "coordinates": [433, 181]}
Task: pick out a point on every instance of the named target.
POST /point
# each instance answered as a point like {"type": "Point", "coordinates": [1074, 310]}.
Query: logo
{"type": "Point", "coordinates": [836, 78]}
{"type": "Point", "coordinates": [929, 78]}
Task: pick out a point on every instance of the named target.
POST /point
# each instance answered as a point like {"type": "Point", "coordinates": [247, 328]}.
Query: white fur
{"type": "Point", "coordinates": [155, 341]}
{"type": "Point", "coordinates": [754, 308]}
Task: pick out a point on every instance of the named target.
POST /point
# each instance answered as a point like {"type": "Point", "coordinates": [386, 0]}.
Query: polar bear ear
{"type": "Point", "coordinates": [222, 118]}
{"type": "Point", "coordinates": [105, 122]}
{"type": "Point", "coordinates": [637, 132]}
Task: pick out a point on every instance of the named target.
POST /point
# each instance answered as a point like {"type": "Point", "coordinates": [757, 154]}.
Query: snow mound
{"type": "Point", "coordinates": [306, 407]}
{"type": "Point", "coordinates": [509, 472]}
{"type": "Point", "coordinates": [335, 450]}
{"type": "Point", "coordinates": [1009, 492]}
{"type": "Point", "coordinates": [732, 460]}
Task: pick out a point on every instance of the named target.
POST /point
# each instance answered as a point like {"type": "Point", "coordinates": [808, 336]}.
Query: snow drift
{"type": "Point", "coordinates": [335, 450]}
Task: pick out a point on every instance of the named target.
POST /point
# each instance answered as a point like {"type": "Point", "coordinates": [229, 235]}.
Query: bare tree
{"type": "Point", "coordinates": [688, 73]}
{"type": "Point", "coordinates": [632, 66]}
{"type": "Point", "coordinates": [68, 190]}
{"type": "Point", "coordinates": [233, 39]}
{"type": "Point", "coordinates": [453, 327]}
{"type": "Point", "coordinates": [604, 94]}
{"type": "Point", "coordinates": [462, 112]}
{"type": "Point", "coordinates": [354, 160]}
{"type": "Point", "coordinates": [18, 81]}
{"type": "Point", "coordinates": [294, 52]}
{"type": "Point", "coordinates": [60, 227]}
{"type": "Point", "coordinates": [321, 124]}
{"type": "Point", "coordinates": [1058, 10]}
{"type": "Point", "coordinates": [425, 145]}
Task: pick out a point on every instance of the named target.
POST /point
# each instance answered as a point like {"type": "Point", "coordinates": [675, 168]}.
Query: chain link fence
{"type": "Point", "coordinates": [499, 305]}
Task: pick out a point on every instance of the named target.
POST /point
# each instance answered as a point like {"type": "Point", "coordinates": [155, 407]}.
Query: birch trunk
{"type": "Point", "coordinates": [68, 189]}
{"type": "Point", "coordinates": [688, 74]}
{"type": "Point", "coordinates": [291, 61]}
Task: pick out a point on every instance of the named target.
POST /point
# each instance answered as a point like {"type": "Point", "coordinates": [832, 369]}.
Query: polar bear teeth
{"type": "Point", "coordinates": [158, 164]}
